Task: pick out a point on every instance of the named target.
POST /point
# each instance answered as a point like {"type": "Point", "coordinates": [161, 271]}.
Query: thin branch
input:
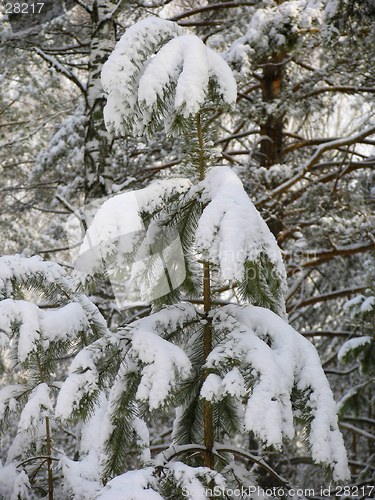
{"type": "Point", "coordinates": [41, 457]}
{"type": "Point", "coordinates": [326, 296]}
{"type": "Point", "coordinates": [338, 88]}
{"type": "Point", "coordinates": [60, 68]}
{"type": "Point", "coordinates": [326, 333]}
{"type": "Point", "coordinates": [316, 142]}
{"type": "Point", "coordinates": [363, 420]}
{"type": "Point", "coordinates": [357, 430]}
{"type": "Point", "coordinates": [346, 141]}
{"type": "Point", "coordinates": [215, 6]}
{"type": "Point", "coordinates": [321, 256]}
{"type": "Point", "coordinates": [84, 6]}
{"type": "Point", "coordinates": [11, 165]}
{"type": "Point", "coordinates": [339, 372]}
{"type": "Point", "coordinates": [253, 458]}
{"type": "Point", "coordinates": [52, 250]}
{"type": "Point", "coordinates": [238, 136]}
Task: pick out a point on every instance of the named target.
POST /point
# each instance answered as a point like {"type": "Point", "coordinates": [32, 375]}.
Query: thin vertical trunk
{"type": "Point", "coordinates": [207, 347]}
{"type": "Point", "coordinates": [207, 332]}
{"type": "Point", "coordinates": [48, 440]}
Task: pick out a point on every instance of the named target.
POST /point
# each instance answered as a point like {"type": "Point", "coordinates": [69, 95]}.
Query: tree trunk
{"type": "Point", "coordinates": [271, 145]}
{"type": "Point", "coordinates": [98, 142]}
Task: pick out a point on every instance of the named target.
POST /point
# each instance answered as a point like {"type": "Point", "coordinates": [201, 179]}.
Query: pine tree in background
{"type": "Point", "coordinates": [227, 368]}
{"type": "Point", "coordinates": [38, 338]}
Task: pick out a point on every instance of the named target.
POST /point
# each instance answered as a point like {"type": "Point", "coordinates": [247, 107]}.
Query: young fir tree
{"type": "Point", "coordinates": [228, 368]}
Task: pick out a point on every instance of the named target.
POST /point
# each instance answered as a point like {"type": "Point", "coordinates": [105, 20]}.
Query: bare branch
{"type": "Point", "coordinates": [326, 333]}
{"type": "Point", "coordinates": [238, 136]}
{"type": "Point", "coordinates": [327, 296]}
{"type": "Point", "coordinates": [215, 6]}
{"type": "Point", "coordinates": [336, 144]}
{"type": "Point", "coordinates": [361, 432]}
{"type": "Point", "coordinates": [338, 88]}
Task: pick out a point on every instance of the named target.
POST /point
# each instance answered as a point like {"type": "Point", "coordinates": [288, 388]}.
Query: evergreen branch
{"type": "Point", "coordinates": [48, 437]}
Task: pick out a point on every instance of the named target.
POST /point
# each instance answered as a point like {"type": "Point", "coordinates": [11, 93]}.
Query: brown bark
{"type": "Point", "coordinates": [271, 146]}
{"type": "Point", "coordinates": [207, 333]}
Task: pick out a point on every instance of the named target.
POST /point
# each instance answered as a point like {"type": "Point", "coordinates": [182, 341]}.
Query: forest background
{"type": "Point", "coordinates": [300, 137]}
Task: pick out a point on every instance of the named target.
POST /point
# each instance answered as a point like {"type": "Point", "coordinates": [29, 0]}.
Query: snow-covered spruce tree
{"type": "Point", "coordinates": [227, 368]}
{"type": "Point", "coordinates": [44, 322]}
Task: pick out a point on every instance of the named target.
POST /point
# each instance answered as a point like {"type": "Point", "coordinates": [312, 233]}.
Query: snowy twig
{"type": "Point", "coordinates": [60, 68]}
{"type": "Point", "coordinates": [175, 450]}
{"type": "Point", "coordinates": [26, 137]}
{"type": "Point", "coordinates": [361, 432]}
{"type": "Point", "coordinates": [326, 254]}
{"type": "Point", "coordinates": [41, 457]}
{"type": "Point", "coordinates": [253, 458]}
{"type": "Point", "coordinates": [111, 15]}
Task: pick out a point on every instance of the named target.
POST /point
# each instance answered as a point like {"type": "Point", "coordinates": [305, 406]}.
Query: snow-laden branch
{"type": "Point", "coordinates": [60, 68]}
{"type": "Point", "coordinates": [114, 12]}
{"type": "Point", "coordinates": [188, 449]}
{"type": "Point", "coordinates": [253, 458]}
{"type": "Point", "coordinates": [280, 360]}
{"type": "Point", "coordinates": [155, 59]}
